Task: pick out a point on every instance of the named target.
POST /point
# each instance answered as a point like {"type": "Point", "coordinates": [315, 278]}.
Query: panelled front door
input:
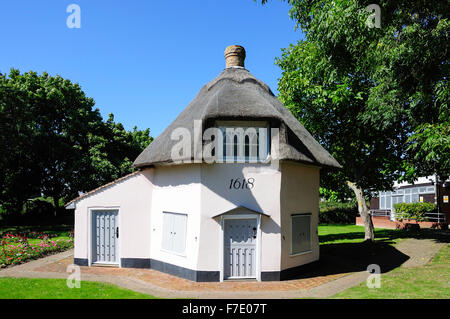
{"type": "Point", "coordinates": [105, 226]}
{"type": "Point", "coordinates": [240, 248]}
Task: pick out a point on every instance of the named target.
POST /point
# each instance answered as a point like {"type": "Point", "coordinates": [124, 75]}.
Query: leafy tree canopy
{"type": "Point", "coordinates": [54, 143]}
{"type": "Point", "coordinates": [365, 93]}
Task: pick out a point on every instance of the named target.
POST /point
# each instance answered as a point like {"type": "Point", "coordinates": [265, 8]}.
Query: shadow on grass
{"type": "Point", "coordinates": [349, 257]}
{"type": "Point", "coordinates": [345, 258]}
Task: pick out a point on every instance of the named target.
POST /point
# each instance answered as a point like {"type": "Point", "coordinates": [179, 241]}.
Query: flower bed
{"type": "Point", "coordinates": [12, 239]}
{"type": "Point", "coordinates": [15, 249]}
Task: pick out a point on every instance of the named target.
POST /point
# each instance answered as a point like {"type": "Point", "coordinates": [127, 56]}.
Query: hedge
{"type": "Point", "coordinates": [414, 211]}
{"type": "Point", "coordinates": [337, 212]}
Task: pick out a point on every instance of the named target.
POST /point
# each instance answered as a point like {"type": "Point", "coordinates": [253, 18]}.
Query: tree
{"type": "Point", "coordinates": [363, 91]}
{"type": "Point", "coordinates": [19, 177]}
{"type": "Point", "coordinates": [112, 151]}
{"type": "Point", "coordinates": [54, 143]}
{"type": "Point", "coordinates": [429, 151]}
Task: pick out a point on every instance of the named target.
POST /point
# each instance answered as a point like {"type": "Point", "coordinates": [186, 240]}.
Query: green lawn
{"type": "Point", "coordinates": [431, 281]}
{"type": "Point", "coordinates": [335, 234]}
{"type": "Point", "coordinates": [344, 243]}
{"type": "Point", "coordinates": [26, 288]}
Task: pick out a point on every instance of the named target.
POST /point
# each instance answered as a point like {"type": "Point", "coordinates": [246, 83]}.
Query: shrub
{"type": "Point", "coordinates": [337, 212]}
{"type": "Point", "coordinates": [24, 235]}
{"type": "Point", "coordinates": [413, 211]}
{"type": "Point", "coordinates": [12, 239]}
{"type": "Point", "coordinates": [16, 253]}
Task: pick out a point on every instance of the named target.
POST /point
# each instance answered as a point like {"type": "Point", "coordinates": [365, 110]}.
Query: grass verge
{"type": "Point", "coordinates": [431, 281]}
{"type": "Point", "coordinates": [31, 288]}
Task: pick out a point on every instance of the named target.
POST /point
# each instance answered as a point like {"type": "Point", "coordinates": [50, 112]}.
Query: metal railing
{"type": "Point", "coordinates": [435, 217]}
{"type": "Point", "coordinates": [429, 217]}
{"type": "Point", "coordinates": [432, 217]}
{"type": "Point", "coordinates": [380, 212]}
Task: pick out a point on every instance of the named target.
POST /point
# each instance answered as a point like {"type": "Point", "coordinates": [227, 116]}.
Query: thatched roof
{"type": "Point", "coordinates": [237, 95]}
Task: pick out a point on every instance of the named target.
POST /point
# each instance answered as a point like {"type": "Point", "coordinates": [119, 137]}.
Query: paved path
{"type": "Point", "coordinates": [419, 251]}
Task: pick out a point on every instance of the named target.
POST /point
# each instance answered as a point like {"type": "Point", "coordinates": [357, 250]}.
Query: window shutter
{"type": "Point", "coordinates": [174, 232]}
{"type": "Point", "coordinates": [301, 233]}
{"type": "Point", "coordinates": [179, 233]}
{"type": "Point", "coordinates": [167, 242]}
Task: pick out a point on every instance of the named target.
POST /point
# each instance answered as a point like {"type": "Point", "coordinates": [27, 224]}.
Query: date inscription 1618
{"type": "Point", "coordinates": [242, 183]}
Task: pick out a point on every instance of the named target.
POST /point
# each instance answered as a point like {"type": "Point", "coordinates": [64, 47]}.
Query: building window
{"type": "Point", "coordinates": [243, 143]}
{"type": "Point", "coordinates": [388, 201]}
{"type": "Point", "coordinates": [174, 232]}
{"type": "Point", "coordinates": [301, 234]}
{"type": "Point", "coordinates": [382, 202]}
{"type": "Point", "coordinates": [407, 195]}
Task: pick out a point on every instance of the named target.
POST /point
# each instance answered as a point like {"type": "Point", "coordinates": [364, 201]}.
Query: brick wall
{"type": "Point", "coordinates": [375, 203]}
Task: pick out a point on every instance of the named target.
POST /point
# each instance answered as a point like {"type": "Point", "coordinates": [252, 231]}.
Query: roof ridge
{"type": "Point", "coordinates": [227, 74]}
{"type": "Point", "coordinates": [102, 187]}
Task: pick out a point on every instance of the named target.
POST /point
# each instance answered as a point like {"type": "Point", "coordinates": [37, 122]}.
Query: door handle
{"type": "Point", "coordinates": [117, 232]}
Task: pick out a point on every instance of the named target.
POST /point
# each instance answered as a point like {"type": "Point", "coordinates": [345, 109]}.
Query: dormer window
{"type": "Point", "coordinates": [244, 142]}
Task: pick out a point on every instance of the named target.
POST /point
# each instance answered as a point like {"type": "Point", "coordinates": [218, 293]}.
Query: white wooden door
{"type": "Point", "coordinates": [105, 236]}
{"type": "Point", "coordinates": [240, 238]}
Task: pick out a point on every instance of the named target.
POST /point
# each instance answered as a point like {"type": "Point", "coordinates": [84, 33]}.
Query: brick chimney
{"type": "Point", "coordinates": [234, 56]}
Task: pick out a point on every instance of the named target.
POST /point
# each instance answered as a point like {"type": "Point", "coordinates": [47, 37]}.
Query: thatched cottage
{"type": "Point", "coordinates": [246, 209]}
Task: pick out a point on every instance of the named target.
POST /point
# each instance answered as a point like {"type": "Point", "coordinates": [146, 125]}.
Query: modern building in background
{"type": "Point", "coordinates": [424, 189]}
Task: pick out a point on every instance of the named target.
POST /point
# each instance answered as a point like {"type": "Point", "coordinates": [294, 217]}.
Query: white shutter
{"type": "Point", "coordinates": [174, 232]}
{"type": "Point", "coordinates": [167, 241]}
{"type": "Point", "coordinates": [179, 233]}
{"type": "Point", "coordinates": [301, 233]}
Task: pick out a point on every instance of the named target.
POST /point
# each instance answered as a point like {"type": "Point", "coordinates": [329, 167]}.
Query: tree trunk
{"type": "Point", "coordinates": [56, 205]}
{"type": "Point", "coordinates": [363, 212]}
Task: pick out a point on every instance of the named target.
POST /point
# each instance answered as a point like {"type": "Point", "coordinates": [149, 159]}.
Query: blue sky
{"type": "Point", "coordinates": [143, 60]}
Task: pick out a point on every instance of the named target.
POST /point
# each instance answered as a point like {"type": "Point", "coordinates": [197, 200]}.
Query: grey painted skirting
{"type": "Point", "coordinates": [81, 261]}
{"type": "Point", "coordinates": [193, 275]}
{"type": "Point", "coordinates": [202, 276]}
{"type": "Point", "coordinates": [298, 271]}
{"type": "Point", "coordinates": [135, 262]}
{"type": "Point", "coordinates": [290, 273]}
{"type": "Point", "coordinates": [270, 276]}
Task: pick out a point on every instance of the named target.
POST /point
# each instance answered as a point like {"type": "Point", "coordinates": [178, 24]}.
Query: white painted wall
{"type": "Point", "coordinates": [176, 189]}
{"type": "Point", "coordinates": [299, 194]}
{"type": "Point", "coordinates": [202, 191]}
{"type": "Point", "coordinates": [132, 196]}
{"type": "Point", "coordinates": [217, 197]}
